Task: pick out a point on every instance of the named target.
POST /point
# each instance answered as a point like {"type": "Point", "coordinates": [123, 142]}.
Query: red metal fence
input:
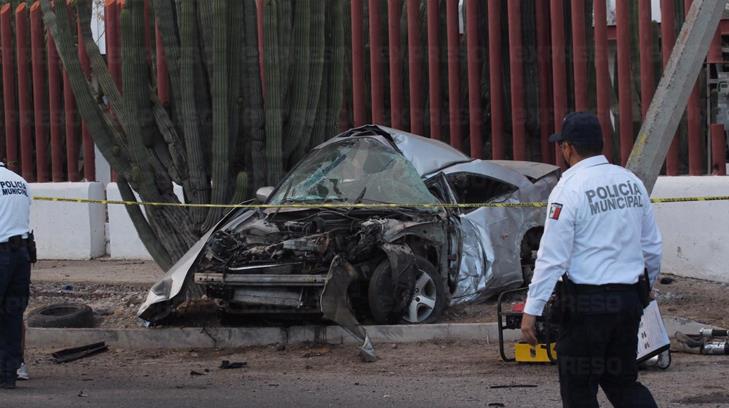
{"type": "Point", "coordinates": [495, 88]}
{"type": "Point", "coordinates": [567, 58]}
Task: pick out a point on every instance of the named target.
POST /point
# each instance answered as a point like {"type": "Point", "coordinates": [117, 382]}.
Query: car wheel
{"type": "Point", "coordinates": [427, 295]}
{"type": "Point", "coordinates": [63, 315]}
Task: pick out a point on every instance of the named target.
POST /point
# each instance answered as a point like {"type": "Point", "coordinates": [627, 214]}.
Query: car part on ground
{"type": "Point", "coordinates": [76, 353]}
{"type": "Point", "coordinates": [63, 315]}
{"type": "Point", "coordinates": [405, 262]}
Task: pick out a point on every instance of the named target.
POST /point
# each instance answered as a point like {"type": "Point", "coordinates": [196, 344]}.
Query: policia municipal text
{"type": "Point", "coordinates": [599, 237]}
{"type": "Point", "coordinates": [17, 251]}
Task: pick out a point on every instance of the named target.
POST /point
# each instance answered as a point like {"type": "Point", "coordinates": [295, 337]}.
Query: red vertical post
{"type": "Point", "coordinates": [88, 144]}
{"type": "Point", "coordinates": [416, 74]}
{"type": "Point", "coordinates": [393, 20]}
{"type": "Point", "coordinates": [434, 70]}
{"type": "Point", "coordinates": [54, 108]}
{"type": "Point", "coordinates": [377, 80]}
{"type": "Point", "coordinates": [474, 79]}
{"type": "Point", "coordinates": [454, 93]}
{"type": "Point", "coordinates": [113, 40]}
{"type": "Point", "coordinates": [714, 56]}
{"type": "Point", "coordinates": [602, 77]}
{"type": "Point", "coordinates": [9, 105]}
{"type": "Point", "coordinates": [645, 33]}
{"type": "Point", "coordinates": [163, 79]}
{"type": "Point", "coordinates": [24, 93]}
{"type": "Point", "coordinates": [718, 149]}
{"type": "Point", "coordinates": [517, 80]}
{"type": "Point", "coordinates": [668, 38]}
{"type": "Point", "coordinates": [545, 102]}
{"type": "Point", "coordinates": [39, 92]}
{"type": "Point", "coordinates": [696, 165]}
{"type": "Point", "coordinates": [358, 75]}
{"type": "Point", "coordinates": [624, 80]}
{"type": "Point", "coordinates": [69, 105]}
{"type": "Point", "coordinates": [579, 59]}
{"type": "Point", "coordinates": [495, 80]}
{"type": "Point", "coordinates": [559, 73]}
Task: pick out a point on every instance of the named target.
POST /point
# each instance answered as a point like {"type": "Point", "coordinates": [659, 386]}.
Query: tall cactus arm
{"type": "Point", "coordinates": [274, 92]}
{"type": "Point", "coordinates": [221, 125]}
{"type": "Point", "coordinates": [207, 21]}
{"type": "Point", "coordinates": [335, 88]}
{"type": "Point", "coordinates": [199, 191]}
{"type": "Point", "coordinates": [149, 237]}
{"type": "Point", "coordinates": [300, 67]}
{"type": "Point", "coordinates": [316, 77]}
{"type": "Point", "coordinates": [253, 118]}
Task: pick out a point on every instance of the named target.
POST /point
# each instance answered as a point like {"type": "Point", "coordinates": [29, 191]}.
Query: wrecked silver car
{"type": "Point", "coordinates": [364, 234]}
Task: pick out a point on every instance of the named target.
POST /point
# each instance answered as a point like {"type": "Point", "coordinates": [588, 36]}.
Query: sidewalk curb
{"type": "Point", "coordinates": [234, 337]}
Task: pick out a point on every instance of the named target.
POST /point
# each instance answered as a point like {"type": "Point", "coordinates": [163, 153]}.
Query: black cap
{"type": "Point", "coordinates": [580, 129]}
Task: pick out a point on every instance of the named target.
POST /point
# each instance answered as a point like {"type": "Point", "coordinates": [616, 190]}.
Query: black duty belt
{"type": "Point", "coordinates": [610, 287]}
{"type": "Point", "coordinates": [14, 243]}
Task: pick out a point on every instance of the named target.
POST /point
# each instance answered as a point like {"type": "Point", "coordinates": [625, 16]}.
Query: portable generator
{"type": "Point", "coordinates": [547, 333]}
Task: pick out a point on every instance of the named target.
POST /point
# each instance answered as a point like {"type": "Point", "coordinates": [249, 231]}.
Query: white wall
{"type": "Point", "coordinates": [124, 242]}
{"type": "Point", "coordinates": [68, 230]}
{"type": "Point", "coordinates": [695, 234]}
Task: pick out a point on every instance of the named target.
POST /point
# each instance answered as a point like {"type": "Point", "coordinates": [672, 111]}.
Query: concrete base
{"type": "Point", "coordinates": [234, 337]}
{"type": "Point", "coordinates": [695, 234]}
{"type": "Point", "coordinates": [68, 230]}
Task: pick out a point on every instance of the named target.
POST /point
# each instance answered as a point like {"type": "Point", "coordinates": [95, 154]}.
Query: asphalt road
{"type": "Point", "coordinates": [417, 375]}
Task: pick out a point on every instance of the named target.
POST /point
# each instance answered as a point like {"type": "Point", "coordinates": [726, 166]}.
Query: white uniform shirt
{"type": "Point", "coordinates": [600, 229]}
{"type": "Point", "coordinates": [14, 205]}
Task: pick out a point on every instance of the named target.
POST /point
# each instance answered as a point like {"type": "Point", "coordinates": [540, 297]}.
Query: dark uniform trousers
{"type": "Point", "coordinates": [14, 292]}
{"type": "Point", "coordinates": [597, 346]}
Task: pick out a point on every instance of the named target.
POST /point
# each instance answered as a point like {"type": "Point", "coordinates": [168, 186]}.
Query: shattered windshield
{"type": "Point", "coordinates": [360, 170]}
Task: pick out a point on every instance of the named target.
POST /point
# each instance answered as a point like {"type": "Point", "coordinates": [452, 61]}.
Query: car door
{"type": "Point", "coordinates": [469, 261]}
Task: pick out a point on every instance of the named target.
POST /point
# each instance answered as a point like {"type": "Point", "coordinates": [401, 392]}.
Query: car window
{"type": "Point", "coordinates": [360, 170]}
{"type": "Point", "coordinates": [471, 188]}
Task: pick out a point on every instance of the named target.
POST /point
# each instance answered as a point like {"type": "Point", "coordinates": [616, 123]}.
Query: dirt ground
{"type": "Point", "coordinates": [116, 289]}
{"type": "Point", "coordinates": [453, 374]}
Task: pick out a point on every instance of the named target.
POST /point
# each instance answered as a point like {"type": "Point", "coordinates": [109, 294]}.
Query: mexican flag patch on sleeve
{"type": "Point", "coordinates": [555, 210]}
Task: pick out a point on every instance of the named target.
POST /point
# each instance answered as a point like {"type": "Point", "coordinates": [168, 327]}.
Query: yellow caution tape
{"type": "Point", "coordinates": [349, 205]}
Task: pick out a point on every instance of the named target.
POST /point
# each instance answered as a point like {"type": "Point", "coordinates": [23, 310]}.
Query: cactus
{"type": "Point", "coordinates": [273, 100]}
{"type": "Point", "coordinates": [302, 53]}
{"type": "Point", "coordinates": [211, 47]}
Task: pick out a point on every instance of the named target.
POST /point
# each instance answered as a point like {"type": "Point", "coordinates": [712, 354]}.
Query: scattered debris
{"type": "Point", "coordinates": [227, 365]}
{"type": "Point", "coordinates": [280, 347]}
{"type": "Point", "coordinates": [82, 394]}
{"type": "Point", "coordinates": [195, 373]}
{"type": "Point", "coordinates": [666, 281]}
{"type": "Point", "coordinates": [496, 404]}
{"type": "Point", "coordinates": [71, 354]}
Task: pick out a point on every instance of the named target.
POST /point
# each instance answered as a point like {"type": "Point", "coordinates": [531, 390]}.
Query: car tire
{"type": "Point", "coordinates": [428, 299]}
{"type": "Point", "coordinates": [63, 315]}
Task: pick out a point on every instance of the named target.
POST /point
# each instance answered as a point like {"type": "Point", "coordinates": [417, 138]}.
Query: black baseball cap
{"type": "Point", "coordinates": [579, 129]}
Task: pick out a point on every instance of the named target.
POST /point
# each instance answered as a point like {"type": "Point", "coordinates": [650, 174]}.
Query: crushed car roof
{"type": "Point", "coordinates": [426, 155]}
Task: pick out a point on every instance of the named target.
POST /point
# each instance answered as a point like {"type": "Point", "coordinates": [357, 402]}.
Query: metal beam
{"type": "Point", "coordinates": [674, 89]}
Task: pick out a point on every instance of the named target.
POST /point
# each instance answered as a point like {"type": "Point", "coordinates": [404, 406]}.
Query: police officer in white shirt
{"type": "Point", "coordinates": [16, 251]}
{"type": "Point", "coordinates": [601, 234]}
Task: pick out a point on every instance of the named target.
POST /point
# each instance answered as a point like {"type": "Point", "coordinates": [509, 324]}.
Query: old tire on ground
{"type": "Point", "coordinates": [63, 315]}
{"type": "Point", "coordinates": [426, 304]}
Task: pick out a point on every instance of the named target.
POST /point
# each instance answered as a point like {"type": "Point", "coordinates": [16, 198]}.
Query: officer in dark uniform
{"type": "Point", "coordinates": [599, 237]}
{"type": "Point", "coordinates": [15, 257]}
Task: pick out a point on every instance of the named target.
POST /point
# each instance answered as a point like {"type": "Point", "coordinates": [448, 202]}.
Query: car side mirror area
{"type": "Point", "coordinates": [263, 193]}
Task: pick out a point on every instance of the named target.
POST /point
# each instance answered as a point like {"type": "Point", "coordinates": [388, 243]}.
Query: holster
{"type": "Point", "coordinates": [32, 250]}
{"type": "Point", "coordinates": [644, 289]}
{"type": "Point", "coordinates": [560, 310]}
